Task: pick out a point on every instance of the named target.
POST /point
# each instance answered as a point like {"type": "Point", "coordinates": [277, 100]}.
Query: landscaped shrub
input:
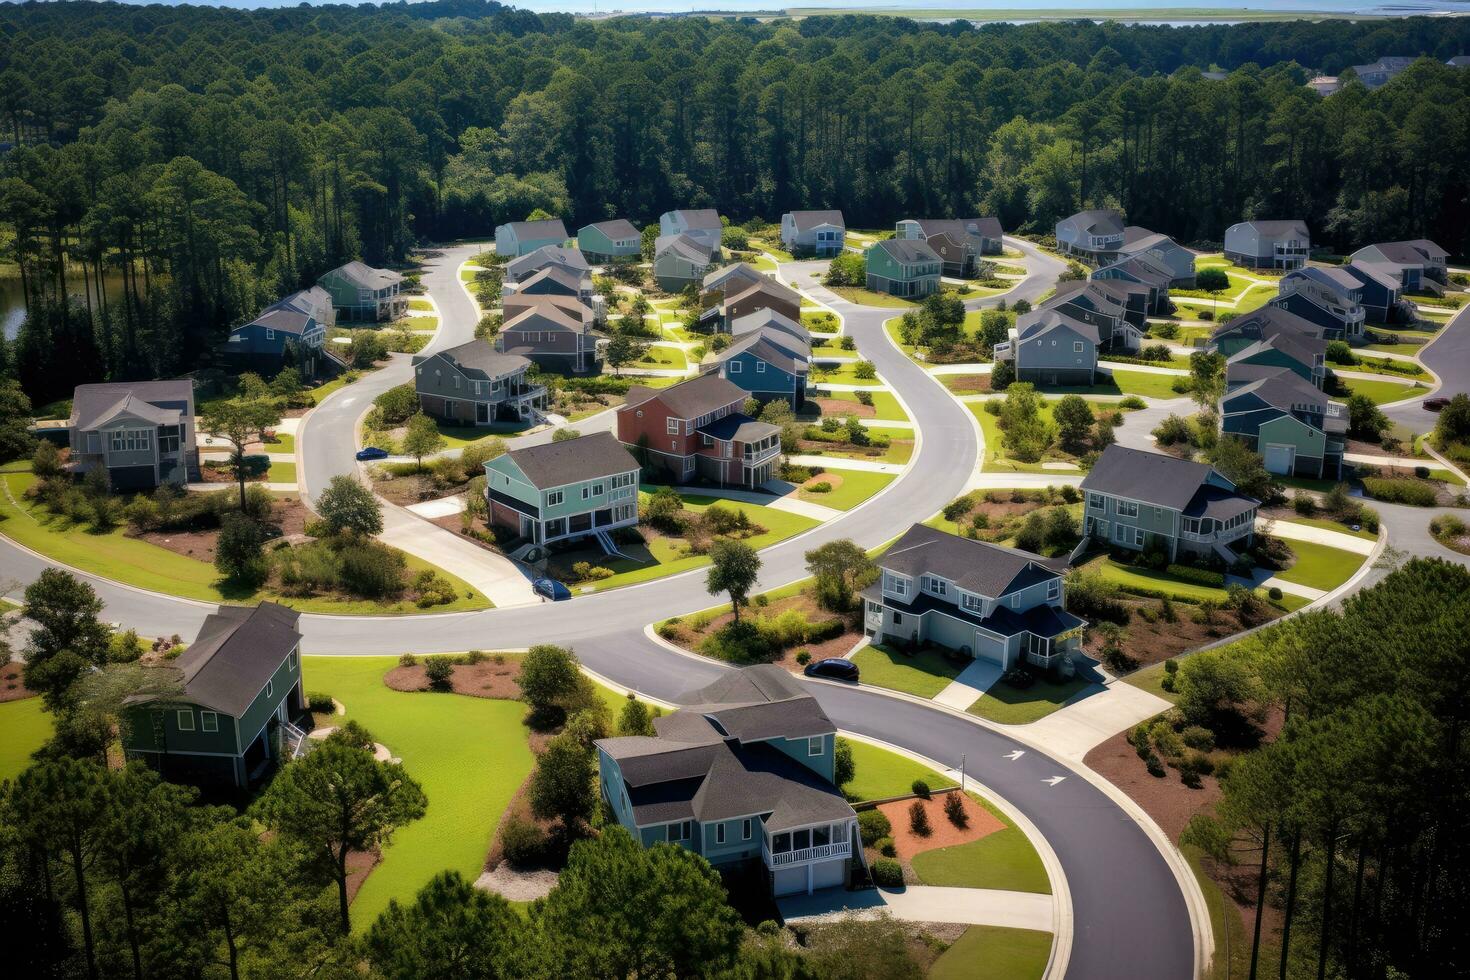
{"type": "Point", "coordinates": [887, 873]}
{"type": "Point", "coordinates": [1400, 491]}
{"type": "Point", "coordinates": [873, 824]}
{"type": "Point", "coordinates": [919, 819]}
{"type": "Point", "coordinates": [439, 670]}
{"type": "Point", "coordinates": [1303, 504]}
{"type": "Point", "coordinates": [522, 842]}
{"type": "Point", "coordinates": [820, 487]}
{"type": "Point", "coordinates": [1274, 593]}
{"type": "Point", "coordinates": [958, 507]}
{"type": "Point", "coordinates": [803, 658]}
{"type": "Point", "coordinates": [1199, 738]}
{"type": "Point", "coordinates": [865, 398]}
{"type": "Point", "coordinates": [1092, 597]}
{"type": "Point", "coordinates": [739, 643]}
{"type": "Point", "coordinates": [1154, 766]}
{"type": "Point", "coordinates": [954, 809]}
{"type": "Point", "coordinates": [921, 789]}
{"type": "Point", "coordinates": [1173, 430]}
{"type": "Point", "coordinates": [407, 660]}
{"type": "Point", "coordinates": [1199, 576]}
{"type": "Point", "coordinates": [1132, 402]}
{"type": "Point", "coordinates": [885, 847]}
{"type": "Point", "coordinates": [319, 703]}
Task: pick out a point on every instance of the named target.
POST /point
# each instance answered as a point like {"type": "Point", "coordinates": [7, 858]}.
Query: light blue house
{"type": "Point", "coordinates": [563, 491]}
{"type": "Point", "coordinates": [609, 241]}
{"type": "Point", "coordinates": [517, 238]}
{"type": "Point", "coordinates": [743, 776]}
{"type": "Point", "coordinates": [1050, 347]}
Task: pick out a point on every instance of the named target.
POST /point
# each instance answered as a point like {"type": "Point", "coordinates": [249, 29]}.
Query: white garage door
{"type": "Point", "coordinates": [828, 874]}
{"type": "Point", "coordinates": [790, 881]}
{"type": "Point", "coordinates": [1279, 459]}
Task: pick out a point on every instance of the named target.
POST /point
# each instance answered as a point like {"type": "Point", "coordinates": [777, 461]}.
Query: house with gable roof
{"type": "Point", "coordinates": [769, 363]}
{"type": "Point", "coordinates": [738, 290]}
{"type": "Point", "coordinates": [1296, 428]}
{"type": "Point", "coordinates": [474, 384]}
{"type": "Point", "coordinates": [1051, 347]}
{"type": "Point", "coordinates": [360, 292]}
{"type": "Point", "coordinates": [1419, 265]}
{"type": "Point", "coordinates": [701, 224]}
{"type": "Point", "coordinates": [562, 491]}
{"type": "Point", "coordinates": [569, 260]}
{"type": "Point", "coordinates": [682, 260]}
{"type": "Point", "coordinates": [516, 238]}
{"type": "Point", "coordinates": [697, 429]}
{"type": "Point", "coordinates": [1284, 244]}
{"type": "Point", "coordinates": [960, 243]}
{"type": "Point", "coordinates": [610, 241]}
{"type": "Point", "coordinates": [1330, 297]}
{"type": "Point", "coordinates": [1273, 337]}
{"type": "Point", "coordinates": [140, 432]}
{"type": "Point", "coordinates": [1094, 237]}
{"type": "Point", "coordinates": [1162, 249]}
{"type": "Point", "coordinates": [903, 268]}
{"type": "Point", "coordinates": [819, 233]}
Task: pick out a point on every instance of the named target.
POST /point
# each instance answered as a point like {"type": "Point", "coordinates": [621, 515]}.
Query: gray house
{"type": "Point", "coordinates": [682, 260]}
{"type": "Point", "coordinates": [819, 233]}
{"type": "Point", "coordinates": [903, 268]}
{"type": "Point", "coordinates": [1420, 265]}
{"type": "Point", "coordinates": [360, 292]}
{"type": "Point", "coordinates": [520, 237]}
{"type": "Point", "coordinates": [140, 432]}
{"type": "Point", "coordinates": [1381, 72]}
{"type": "Point", "coordinates": [474, 384]}
{"type": "Point", "coordinates": [701, 224]}
{"type": "Point", "coordinates": [1269, 244]}
{"type": "Point", "coordinates": [1142, 269]}
{"type": "Point", "coordinates": [1162, 249]}
{"type": "Point", "coordinates": [961, 243]}
{"type": "Point", "coordinates": [983, 600]}
{"type": "Point", "coordinates": [1051, 348]}
{"type": "Point", "coordinates": [1295, 427]}
{"type": "Point", "coordinates": [1094, 237]}
{"type": "Point", "coordinates": [1327, 296]}
{"type": "Point", "coordinates": [570, 260]}
{"type": "Point", "coordinates": [1274, 337]}
{"type": "Point", "coordinates": [1106, 305]}
{"type": "Point", "coordinates": [1135, 499]}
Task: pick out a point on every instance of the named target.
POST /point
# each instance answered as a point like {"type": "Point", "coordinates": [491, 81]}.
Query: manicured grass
{"type": "Point", "coordinates": [844, 374]}
{"type": "Point", "coordinates": [994, 458]}
{"type": "Point", "coordinates": [281, 473]}
{"type": "Point", "coordinates": [885, 405]}
{"type": "Point", "coordinates": [1328, 524]}
{"type": "Point", "coordinates": [469, 754]}
{"type": "Point", "coordinates": [1377, 364]}
{"type": "Point", "coordinates": [284, 443]}
{"type": "Point", "coordinates": [459, 436]}
{"type": "Point", "coordinates": [420, 304]}
{"type": "Point", "coordinates": [25, 725]}
{"type": "Point", "coordinates": [1157, 581]}
{"type": "Point", "coordinates": [1005, 705]}
{"type": "Point", "coordinates": [1151, 679]}
{"type": "Point", "coordinates": [1004, 859]}
{"type": "Point", "coordinates": [925, 674]}
{"type": "Point", "coordinates": [857, 486]}
{"type": "Point", "coordinates": [891, 327]}
{"type": "Point", "coordinates": [881, 774]}
{"type": "Point", "coordinates": [1381, 392]}
{"type": "Point", "coordinates": [1410, 349]}
{"type": "Point", "coordinates": [1320, 567]}
{"type": "Point", "coordinates": [994, 953]}
{"type": "Point", "coordinates": [663, 356]}
{"type": "Point", "coordinates": [866, 297]}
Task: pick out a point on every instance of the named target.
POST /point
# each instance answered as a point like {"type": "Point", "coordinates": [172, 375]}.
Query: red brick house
{"type": "Point", "coordinates": [695, 430]}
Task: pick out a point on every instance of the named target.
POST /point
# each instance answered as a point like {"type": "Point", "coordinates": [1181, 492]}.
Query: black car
{"type": "Point", "coordinates": [550, 588]}
{"type": "Point", "coordinates": [371, 453]}
{"type": "Point", "coordinates": [834, 667]}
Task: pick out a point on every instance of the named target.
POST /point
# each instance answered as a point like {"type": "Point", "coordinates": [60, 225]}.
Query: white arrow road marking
{"type": "Point", "coordinates": [1053, 780]}
{"type": "Point", "coordinates": [1013, 756]}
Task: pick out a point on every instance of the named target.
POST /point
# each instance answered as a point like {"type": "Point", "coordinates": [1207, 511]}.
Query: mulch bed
{"type": "Point", "coordinates": [832, 480]}
{"type": "Point", "coordinates": [486, 679]}
{"type": "Point", "coordinates": [359, 865]}
{"type": "Point", "coordinates": [968, 384]}
{"type": "Point", "coordinates": [289, 516]}
{"type": "Point", "coordinates": [835, 406]}
{"type": "Point", "coordinates": [942, 831]}
{"type": "Point", "coordinates": [12, 688]}
{"type": "Point", "coordinates": [1151, 642]}
{"type": "Point", "coordinates": [835, 647]}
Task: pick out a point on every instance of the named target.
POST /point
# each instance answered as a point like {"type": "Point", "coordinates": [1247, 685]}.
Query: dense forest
{"type": "Point", "coordinates": [204, 161]}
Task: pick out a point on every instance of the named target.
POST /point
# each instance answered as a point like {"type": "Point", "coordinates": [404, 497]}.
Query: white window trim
{"type": "Point", "coordinates": [819, 742]}
{"type": "Point", "coordinates": [555, 497]}
{"type": "Point", "coordinates": [208, 721]}
{"type": "Point", "coordinates": [719, 833]}
{"type": "Point", "coordinates": [745, 829]}
{"type": "Point", "coordinates": [185, 719]}
{"type": "Point", "coordinates": [734, 367]}
{"type": "Point", "coordinates": [270, 688]}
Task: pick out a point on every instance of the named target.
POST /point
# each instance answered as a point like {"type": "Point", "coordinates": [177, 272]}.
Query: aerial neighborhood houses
{"type": "Point", "coordinates": [1093, 237]}
{"type": "Point", "coordinates": [474, 384]}
{"type": "Point", "coordinates": [568, 261]}
{"type": "Point", "coordinates": [140, 433]}
{"type": "Point", "coordinates": [295, 325]}
{"type": "Point", "coordinates": [360, 292]}
{"type": "Point", "coordinates": [682, 259]}
{"type": "Point", "coordinates": [518, 238]}
{"type": "Point", "coordinates": [769, 359]}
{"type": "Point", "coordinates": [743, 776]}
{"type": "Point", "coordinates": [1148, 273]}
{"type": "Point", "coordinates": [1059, 342]}
{"type": "Point", "coordinates": [1330, 297]}
{"type": "Point", "coordinates": [701, 224]}
{"type": "Point", "coordinates": [1269, 339]}
{"type": "Point", "coordinates": [1294, 426]}
{"type": "Point", "coordinates": [731, 292]}
{"type": "Point", "coordinates": [1418, 266]}
{"type": "Point", "coordinates": [550, 311]}
{"type": "Point", "coordinates": [960, 243]}
{"type": "Point", "coordinates": [813, 233]}
{"type": "Point", "coordinates": [981, 600]}
{"type": "Point", "coordinates": [903, 267]}
{"type": "Point", "coordinates": [563, 491]}
{"type": "Point", "coordinates": [696, 430]}
{"type": "Point", "coordinates": [1268, 244]}
{"type": "Point", "coordinates": [609, 241]}
{"type": "Point", "coordinates": [1162, 250]}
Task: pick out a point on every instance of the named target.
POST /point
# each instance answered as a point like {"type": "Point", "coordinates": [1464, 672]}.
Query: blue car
{"type": "Point", "coordinates": [550, 588]}
{"type": "Point", "coordinates": [833, 667]}
{"type": "Point", "coordinates": [371, 453]}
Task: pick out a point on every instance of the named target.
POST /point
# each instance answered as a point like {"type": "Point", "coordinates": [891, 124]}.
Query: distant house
{"type": "Point", "coordinates": [569, 260]}
{"type": "Point", "coordinates": [737, 290]}
{"type": "Point", "coordinates": [1095, 237]}
{"type": "Point", "coordinates": [1270, 338]}
{"type": "Point", "coordinates": [903, 268]}
{"type": "Point", "coordinates": [240, 688]}
{"type": "Point", "coordinates": [982, 600]}
{"type": "Point", "coordinates": [696, 430]}
{"type": "Point", "coordinates": [682, 260]}
{"type": "Point", "coordinates": [360, 292]}
{"type": "Point", "coordinates": [1324, 85]}
{"type": "Point", "coordinates": [772, 320]}
{"type": "Point", "coordinates": [1052, 348]}
{"type": "Point", "coordinates": [818, 233]}
{"type": "Point", "coordinates": [1142, 269]}
{"type": "Point", "coordinates": [609, 241]}
{"type": "Point", "coordinates": [140, 432]}
{"type": "Point", "coordinates": [741, 775]}
{"type": "Point", "coordinates": [1459, 61]}
{"type": "Point", "coordinates": [1106, 304]}
{"type": "Point", "coordinates": [702, 225]}
{"type": "Point", "coordinates": [960, 243]}
{"type": "Point", "coordinates": [1136, 498]}
{"type": "Point", "coordinates": [1297, 430]}
{"type": "Point", "coordinates": [1382, 71]}
{"type": "Point", "coordinates": [315, 302]}
{"type": "Point", "coordinates": [562, 491]}
{"type": "Point", "coordinates": [1419, 264]}
{"type": "Point", "coordinates": [768, 363]}
{"type": "Point", "coordinates": [557, 280]}
{"type": "Point", "coordinates": [553, 331]}
{"type": "Point", "coordinates": [1268, 244]}
{"type": "Point", "coordinates": [1327, 296]}
{"type": "Point", "coordinates": [474, 384]}
{"type": "Point", "coordinates": [518, 238]}
{"type": "Point", "coordinates": [263, 343]}
{"type": "Point", "coordinates": [1163, 250]}
{"type": "Point", "coordinates": [1381, 292]}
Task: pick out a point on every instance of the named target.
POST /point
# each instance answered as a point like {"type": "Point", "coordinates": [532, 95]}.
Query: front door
{"type": "Point", "coordinates": [482, 413]}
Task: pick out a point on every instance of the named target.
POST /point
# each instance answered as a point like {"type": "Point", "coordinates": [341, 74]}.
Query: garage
{"type": "Point", "coordinates": [789, 881]}
{"type": "Point", "coordinates": [1279, 459]}
{"type": "Point", "coordinates": [828, 874]}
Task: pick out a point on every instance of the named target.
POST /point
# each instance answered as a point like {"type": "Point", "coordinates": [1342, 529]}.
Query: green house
{"type": "Point", "coordinates": [230, 718]}
{"type": "Point", "coordinates": [562, 491]}
{"type": "Point", "coordinates": [609, 241]}
{"type": "Point", "coordinates": [903, 268]}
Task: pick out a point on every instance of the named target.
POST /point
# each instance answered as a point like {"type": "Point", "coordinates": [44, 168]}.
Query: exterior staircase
{"type": "Point", "coordinates": [609, 546]}
{"type": "Point", "coordinates": [294, 743]}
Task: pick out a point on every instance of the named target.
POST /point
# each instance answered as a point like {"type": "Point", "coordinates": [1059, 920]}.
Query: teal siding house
{"type": "Point", "coordinates": [239, 689]}
{"type": "Point", "coordinates": [769, 363]}
{"type": "Point", "coordinates": [1295, 427]}
{"type": "Point", "coordinates": [609, 241]}
{"type": "Point", "coordinates": [903, 268]}
{"type": "Point", "coordinates": [1271, 338]}
{"type": "Point", "coordinates": [743, 776]}
{"type": "Point", "coordinates": [564, 491]}
{"type": "Point", "coordinates": [360, 292]}
{"type": "Point", "coordinates": [517, 238]}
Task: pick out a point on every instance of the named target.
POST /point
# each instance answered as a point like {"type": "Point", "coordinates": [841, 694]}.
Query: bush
{"type": "Point", "coordinates": [740, 643]}
{"type": "Point", "coordinates": [439, 670]}
{"type": "Point", "coordinates": [954, 809]}
{"type": "Point", "coordinates": [803, 658]}
{"type": "Point", "coordinates": [407, 660]}
{"type": "Point", "coordinates": [821, 486]}
{"type": "Point", "coordinates": [1400, 491]}
{"type": "Point", "coordinates": [873, 825]}
{"type": "Point", "coordinates": [1199, 576]}
{"type": "Point", "coordinates": [887, 873]}
{"type": "Point", "coordinates": [921, 789]}
{"type": "Point", "coordinates": [865, 370]}
{"type": "Point", "coordinates": [1154, 766]}
{"type": "Point", "coordinates": [319, 703]}
{"type": "Point", "coordinates": [919, 819]}
{"type": "Point", "coordinates": [885, 847]}
{"type": "Point", "coordinates": [1132, 402]}
{"type": "Point", "coordinates": [1173, 430]}
{"type": "Point", "coordinates": [371, 570]}
{"type": "Point", "coordinates": [1199, 738]}
{"type": "Point", "coordinates": [1274, 593]}
{"type": "Point", "coordinates": [522, 842]}
{"type": "Point", "coordinates": [1303, 504]}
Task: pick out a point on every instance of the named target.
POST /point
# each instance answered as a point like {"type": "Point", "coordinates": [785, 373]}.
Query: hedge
{"type": "Point", "coordinates": [1199, 576]}
{"type": "Point", "coordinates": [1399, 491]}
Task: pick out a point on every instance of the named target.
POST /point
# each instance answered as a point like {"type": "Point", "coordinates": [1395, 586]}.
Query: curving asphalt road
{"type": "Point", "coordinates": [1448, 356]}
{"type": "Point", "coordinates": [1130, 917]}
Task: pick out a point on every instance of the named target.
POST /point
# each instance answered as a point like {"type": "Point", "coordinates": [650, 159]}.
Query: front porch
{"type": "Point", "coordinates": [803, 860]}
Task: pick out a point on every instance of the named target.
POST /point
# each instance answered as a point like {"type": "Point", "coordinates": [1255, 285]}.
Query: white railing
{"type": "Point", "coordinates": [763, 454]}
{"type": "Point", "coordinates": [821, 851]}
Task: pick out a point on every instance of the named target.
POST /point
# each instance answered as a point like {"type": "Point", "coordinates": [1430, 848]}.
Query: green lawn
{"type": "Point", "coordinates": [1005, 705]}
{"type": "Point", "coordinates": [994, 458]}
{"type": "Point", "coordinates": [1137, 577]}
{"type": "Point", "coordinates": [1410, 349]}
{"type": "Point", "coordinates": [1381, 392]}
{"type": "Point", "coordinates": [25, 726]}
{"type": "Point", "coordinates": [994, 953]}
{"type": "Point", "coordinates": [459, 436]}
{"type": "Point", "coordinates": [866, 297]}
{"type": "Point", "coordinates": [925, 674]}
{"type": "Point", "coordinates": [281, 473]}
{"type": "Point", "coordinates": [664, 356]}
{"type": "Point", "coordinates": [284, 443]}
{"type": "Point", "coordinates": [891, 327]}
{"type": "Point", "coordinates": [422, 305]}
{"type": "Point", "coordinates": [320, 393]}
{"type": "Point", "coordinates": [885, 405]}
{"type": "Point", "coordinates": [1004, 859]}
{"type": "Point", "coordinates": [899, 450]}
{"type": "Point", "coordinates": [857, 486]}
{"type": "Point", "coordinates": [881, 774]}
{"type": "Point", "coordinates": [469, 754]}
{"type": "Point", "coordinates": [1377, 364]}
{"type": "Point", "coordinates": [1320, 567]}
{"type": "Point", "coordinates": [844, 374]}
{"type": "Point", "coordinates": [1328, 524]}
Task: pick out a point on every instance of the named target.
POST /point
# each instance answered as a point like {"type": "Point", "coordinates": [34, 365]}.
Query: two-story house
{"type": "Point", "coordinates": [1094, 237]}
{"type": "Point", "coordinates": [770, 320]}
{"type": "Point", "coordinates": [1380, 292]}
{"type": "Point", "coordinates": [768, 363]}
{"type": "Point", "coordinates": [819, 233]}
{"type": "Point", "coordinates": [1274, 337]}
{"type": "Point", "coordinates": [569, 260]}
{"type": "Point", "coordinates": [1105, 305]}
{"type": "Point", "coordinates": [1282, 244]}
{"type": "Point", "coordinates": [696, 430]}
{"type": "Point", "coordinates": [701, 224]}
{"type": "Point", "coordinates": [555, 332]}
{"type": "Point", "coordinates": [520, 237]}
{"type": "Point", "coordinates": [683, 260]}
{"type": "Point", "coordinates": [1295, 427]}
{"type": "Point", "coordinates": [474, 384]}
{"type": "Point", "coordinates": [264, 343]}
{"type": "Point", "coordinates": [238, 689]}
{"type": "Point", "coordinates": [1421, 265]}
{"type": "Point", "coordinates": [1329, 296]}
{"type": "Point", "coordinates": [739, 290]}
{"type": "Point", "coordinates": [556, 280]}
{"type": "Point", "coordinates": [986, 601]}
{"type": "Point", "coordinates": [960, 243]}
{"type": "Point", "coordinates": [1050, 347]}
{"type": "Point", "coordinates": [903, 268]}
{"type": "Point", "coordinates": [1145, 271]}
{"type": "Point", "coordinates": [563, 491]}
{"type": "Point", "coordinates": [743, 776]}
{"type": "Point", "coordinates": [1134, 498]}
{"type": "Point", "coordinates": [1164, 250]}
{"type": "Point", "coordinates": [610, 241]}
{"type": "Point", "coordinates": [1379, 73]}
{"type": "Point", "coordinates": [140, 432]}
{"type": "Point", "coordinates": [360, 292]}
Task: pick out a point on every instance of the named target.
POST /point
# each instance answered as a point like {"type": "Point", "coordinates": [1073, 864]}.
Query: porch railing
{"type": "Point", "coordinates": [818, 853]}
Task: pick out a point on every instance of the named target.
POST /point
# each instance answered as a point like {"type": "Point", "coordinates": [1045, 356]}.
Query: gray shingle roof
{"type": "Point", "coordinates": [739, 428]}
{"type": "Point", "coordinates": [691, 249]}
{"type": "Point", "coordinates": [555, 464]}
{"type": "Point", "coordinates": [908, 251]}
{"type": "Point", "coordinates": [700, 219]}
{"type": "Point", "coordinates": [548, 316]}
{"type": "Point", "coordinates": [737, 272]}
{"type": "Point", "coordinates": [959, 229]}
{"type": "Point", "coordinates": [368, 277]}
{"type": "Point", "coordinates": [1100, 221]}
{"type": "Point", "coordinates": [807, 220]}
{"type": "Point", "coordinates": [1331, 276]}
{"type": "Point", "coordinates": [1099, 292]}
{"type": "Point", "coordinates": [287, 321]}
{"type": "Point", "coordinates": [480, 356]}
{"type": "Point", "coordinates": [1280, 228]}
{"type": "Point", "coordinates": [1415, 252]}
{"type": "Point", "coordinates": [1142, 267]}
{"type": "Point", "coordinates": [772, 345]}
{"type": "Point", "coordinates": [768, 320]}
{"type": "Point", "coordinates": [1138, 238]}
{"type": "Point", "coordinates": [568, 281]}
{"type": "Point", "coordinates": [1039, 323]}
{"type": "Point", "coordinates": [543, 257]}
{"type": "Point", "coordinates": [975, 566]}
{"type": "Point", "coordinates": [162, 402]}
{"type": "Point", "coordinates": [545, 228]}
{"type": "Point", "coordinates": [1280, 388]}
{"type": "Point", "coordinates": [615, 229]}
{"type": "Point", "coordinates": [690, 399]}
{"type": "Point", "coordinates": [1150, 478]}
{"type": "Point", "coordinates": [1383, 274]}
{"type": "Point", "coordinates": [237, 650]}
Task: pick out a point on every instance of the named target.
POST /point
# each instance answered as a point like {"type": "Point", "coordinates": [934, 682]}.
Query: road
{"type": "Point", "coordinates": [1448, 356]}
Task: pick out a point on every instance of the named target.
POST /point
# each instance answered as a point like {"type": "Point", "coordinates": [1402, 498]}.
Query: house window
{"type": "Point", "coordinates": [291, 661]}
{"type": "Point", "coordinates": [1095, 501]}
{"type": "Point", "coordinates": [586, 492]}
{"type": "Point", "coordinates": [719, 833]}
{"type": "Point", "coordinates": [208, 721]}
{"type": "Point", "coordinates": [898, 586]}
{"type": "Point", "coordinates": [1054, 588]}
{"type": "Point", "coordinates": [972, 603]}
{"type": "Point", "coordinates": [270, 334]}
{"type": "Point", "coordinates": [745, 829]}
{"type": "Point", "coordinates": [898, 619]}
{"type": "Point", "coordinates": [555, 498]}
{"type": "Point", "coordinates": [186, 719]}
{"type": "Point", "coordinates": [734, 367]}
{"type": "Point", "coordinates": [814, 745]}
{"type": "Point", "coordinates": [671, 426]}
{"type": "Point", "coordinates": [679, 832]}
{"type": "Point", "coordinates": [935, 585]}
{"type": "Point", "coordinates": [760, 367]}
{"type": "Point", "coordinates": [1076, 347]}
{"type": "Point", "coordinates": [1127, 508]}
{"type": "Point", "coordinates": [132, 440]}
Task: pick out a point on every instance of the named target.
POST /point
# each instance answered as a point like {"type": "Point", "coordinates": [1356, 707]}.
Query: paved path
{"type": "Point", "coordinates": [843, 463]}
{"type": "Point", "coordinates": [968, 685]}
{"type": "Point", "coordinates": [1073, 731]}
{"type": "Point", "coordinates": [1318, 535]}
{"type": "Point", "coordinates": [921, 903]}
{"type": "Point", "coordinates": [497, 578]}
{"type": "Point", "coordinates": [1448, 356]}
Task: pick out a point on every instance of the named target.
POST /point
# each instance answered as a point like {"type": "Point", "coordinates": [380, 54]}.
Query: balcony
{"type": "Point", "coordinates": [760, 455]}
{"type": "Point", "coordinates": [839, 849]}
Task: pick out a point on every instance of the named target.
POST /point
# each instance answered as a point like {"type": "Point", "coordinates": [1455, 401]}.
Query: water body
{"type": "Point", "coordinates": [12, 301]}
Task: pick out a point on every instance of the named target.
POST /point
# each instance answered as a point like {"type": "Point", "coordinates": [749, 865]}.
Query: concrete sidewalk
{"type": "Point", "coordinates": [1021, 481]}
{"type": "Point", "coordinates": [923, 903]}
{"type": "Point", "coordinates": [1340, 540]}
{"type": "Point", "coordinates": [842, 463]}
{"type": "Point", "coordinates": [1073, 731]}
{"type": "Point", "coordinates": [968, 685]}
{"type": "Point", "coordinates": [496, 577]}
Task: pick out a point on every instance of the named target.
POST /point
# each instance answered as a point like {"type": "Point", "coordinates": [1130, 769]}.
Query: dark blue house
{"type": "Point", "coordinates": [769, 363]}
{"type": "Point", "coordinates": [300, 321]}
{"type": "Point", "coordinates": [1328, 297]}
{"type": "Point", "coordinates": [1380, 293]}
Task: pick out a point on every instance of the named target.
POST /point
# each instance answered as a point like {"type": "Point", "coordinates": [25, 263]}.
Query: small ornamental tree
{"type": "Point", "coordinates": [1213, 281]}
{"type": "Point", "coordinates": [422, 438]}
{"type": "Point", "coordinates": [734, 568]}
{"type": "Point", "coordinates": [239, 422]}
{"type": "Point", "coordinates": [919, 819]}
{"type": "Point", "coordinates": [348, 506]}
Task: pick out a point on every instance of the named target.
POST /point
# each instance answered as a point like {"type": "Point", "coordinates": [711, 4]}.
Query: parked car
{"type": "Point", "coordinates": [550, 588]}
{"type": "Point", "coordinates": [1435, 404]}
{"type": "Point", "coordinates": [370, 453]}
{"type": "Point", "coordinates": [834, 667]}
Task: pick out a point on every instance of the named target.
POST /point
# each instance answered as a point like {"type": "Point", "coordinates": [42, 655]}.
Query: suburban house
{"type": "Point", "coordinates": [239, 688]}
{"type": "Point", "coordinates": [558, 280]}
{"type": "Point", "coordinates": [563, 491]}
{"type": "Point", "coordinates": [1163, 250]}
{"type": "Point", "coordinates": [1382, 71]}
{"type": "Point", "coordinates": [738, 290]}
{"type": "Point", "coordinates": [1268, 244]}
{"type": "Point", "coordinates": [1272, 337]}
{"type": "Point", "coordinates": [696, 430]}
{"type": "Point", "coordinates": [140, 432]}
{"type": "Point", "coordinates": [702, 225]}
{"type": "Point", "coordinates": [1327, 296]}
{"type": "Point", "coordinates": [1136, 498]}
{"type": "Point", "coordinates": [1324, 85]}
{"type": "Point", "coordinates": [767, 363]}
{"type": "Point", "coordinates": [518, 238]}
{"type": "Point", "coordinates": [1143, 270]}
{"type": "Point", "coordinates": [1106, 304]}
{"type": "Point", "coordinates": [609, 241]}
{"type": "Point", "coordinates": [979, 599]}
{"type": "Point", "coordinates": [1380, 292]}
{"type": "Point", "coordinates": [683, 260]}
{"type": "Point", "coordinates": [819, 233]}
{"type": "Point", "coordinates": [903, 268]}
{"type": "Point", "coordinates": [1297, 430]}
{"type": "Point", "coordinates": [570, 260]}
{"type": "Point", "coordinates": [1050, 347]}
{"type": "Point", "coordinates": [360, 292]}
{"type": "Point", "coordinates": [1095, 237]}
{"type": "Point", "coordinates": [1459, 61]}
{"type": "Point", "coordinates": [315, 302]}
{"type": "Point", "coordinates": [771, 320]}
{"type": "Point", "coordinates": [474, 384]}
{"type": "Point", "coordinates": [263, 343]}
{"type": "Point", "coordinates": [1421, 265]}
{"type": "Point", "coordinates": [960, 243]}
{"type": "Point", "coordinates": [741, 775]}
{"type": "Point", "coordinates": [555, 332]}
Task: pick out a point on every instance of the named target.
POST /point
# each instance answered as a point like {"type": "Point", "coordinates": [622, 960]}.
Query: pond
{"type": "Point", "coordinates": [12, 299]}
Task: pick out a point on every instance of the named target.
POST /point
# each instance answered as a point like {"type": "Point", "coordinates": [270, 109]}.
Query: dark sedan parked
{"type": "Point", "coordinates": [834, 667]}
{"type": "Point", "coordinates": [371, 453]}
{"type": "Point", "coordinates": [550, 588]}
